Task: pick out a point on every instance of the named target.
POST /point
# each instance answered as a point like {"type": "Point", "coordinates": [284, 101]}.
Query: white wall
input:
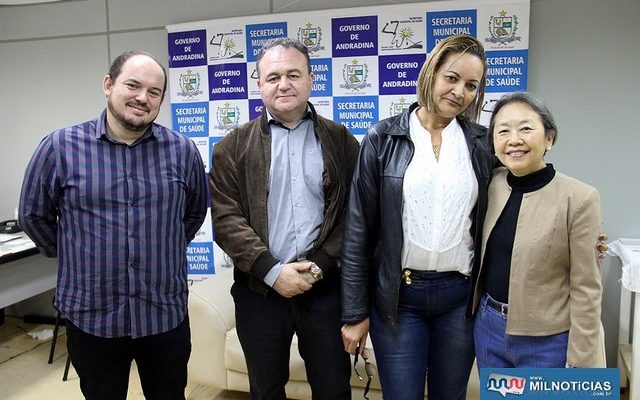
{"type": "Point", "coordinates": [584, 60]}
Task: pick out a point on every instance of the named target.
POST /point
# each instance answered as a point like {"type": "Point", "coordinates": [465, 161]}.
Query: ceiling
{"type": "Point", "coordinates": [24, 2]}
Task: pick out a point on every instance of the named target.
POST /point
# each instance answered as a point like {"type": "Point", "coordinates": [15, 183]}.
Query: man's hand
{"type": "Point", "coordinates": [294, 279]}
{"type": "Point", "coordinates": [354, 335]}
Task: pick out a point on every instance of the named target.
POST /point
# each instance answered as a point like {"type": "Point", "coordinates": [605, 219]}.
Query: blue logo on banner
{"type": "Point", "coordinates": [191, 119]}
{"type": "Point", "coordinates": [187, 48]}
{"type": "Point", "coordinates": [255, 108]}
{"type": "Point", "coordinates": [507, 71]}
{"type": "Point", "coordinates": [260, 33]}
{"type": "Point", "coordinates": [399, 74]}
{"type": "Point", "coordinates": [442, 24]}
{"type": "Point", "coordinates": [549, 383]}
{"type": "Point", "coordinates": [228, 81]}
{"type": "Point", "coordinates": [321, 68]}
{"type": "Point", "coordinates": [357, 113]}
{"type": "Point", "coordinates": [355, 36]}
{"type": "Point", "coordinates": [200, 259]}
{"type": "Point", "coordinates": [212, 142]}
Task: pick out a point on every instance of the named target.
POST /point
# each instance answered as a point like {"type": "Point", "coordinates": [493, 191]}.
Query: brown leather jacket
{"type": "Point", "coordinates": [239, 184]}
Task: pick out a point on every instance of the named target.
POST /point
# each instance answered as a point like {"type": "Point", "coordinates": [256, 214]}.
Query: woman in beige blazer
{"type": "Point", "coordinates": [538, 292]}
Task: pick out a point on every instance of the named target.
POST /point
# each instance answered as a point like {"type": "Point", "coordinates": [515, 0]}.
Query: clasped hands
{"type": "Point", "coordinates": [294, 279]}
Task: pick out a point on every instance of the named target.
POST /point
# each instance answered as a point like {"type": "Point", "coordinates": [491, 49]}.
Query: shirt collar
{"type": "Point", "coordinates": [308, 114]}
{"type": "Point", "coordinates": [101, 130]}
{"type": "Point", "coordinates": [453, 126]}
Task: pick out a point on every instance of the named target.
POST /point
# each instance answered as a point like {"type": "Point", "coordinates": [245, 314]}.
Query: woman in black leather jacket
{"type": "Point", "coordinates": [416, 207]}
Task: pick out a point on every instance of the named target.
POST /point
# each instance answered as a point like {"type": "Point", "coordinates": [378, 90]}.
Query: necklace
{"type": "Point", "coordinates": [436, 151]}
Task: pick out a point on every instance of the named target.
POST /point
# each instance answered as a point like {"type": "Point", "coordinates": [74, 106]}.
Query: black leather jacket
{"type": "Point", "coordinates": [372, 244]}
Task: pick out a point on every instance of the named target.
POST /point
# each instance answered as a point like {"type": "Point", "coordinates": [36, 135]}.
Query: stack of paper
{"type": "Point", "coordinates": [14, 243]}
{"type": "Point", "coordinates": [629, 252]}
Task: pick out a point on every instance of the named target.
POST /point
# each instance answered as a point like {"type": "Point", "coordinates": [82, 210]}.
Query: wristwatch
{"type": "Point", "coordinates": [315, 272]}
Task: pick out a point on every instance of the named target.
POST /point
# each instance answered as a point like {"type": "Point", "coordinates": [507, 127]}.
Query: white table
{"type": "Point", "coordinates": [24, 273]}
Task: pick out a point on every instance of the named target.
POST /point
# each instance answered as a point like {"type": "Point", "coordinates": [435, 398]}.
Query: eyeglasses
{"type": "Point", "coordinates": [369, 369]}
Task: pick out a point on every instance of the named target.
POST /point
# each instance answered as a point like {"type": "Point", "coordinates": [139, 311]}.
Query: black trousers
{"type": "Point", "coordinates": [103, 364]}
{"type": "Point", "coordinates": [265, 327]}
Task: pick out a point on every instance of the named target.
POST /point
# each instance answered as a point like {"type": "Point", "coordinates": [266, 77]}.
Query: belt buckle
{"type": "Point", "coordinates": [504, 308]}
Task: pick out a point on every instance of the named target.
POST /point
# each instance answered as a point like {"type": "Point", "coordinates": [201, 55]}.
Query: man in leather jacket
{"type": "Point", "coordinates": [279, 187]}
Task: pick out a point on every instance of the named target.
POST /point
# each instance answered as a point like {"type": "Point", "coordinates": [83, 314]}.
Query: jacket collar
{"type": "Point", "coordinates": [474, 130]}
{"type": "Point", "coordinates": [264, 119]}
{"type": "Point", "coordinates": [400, 127]}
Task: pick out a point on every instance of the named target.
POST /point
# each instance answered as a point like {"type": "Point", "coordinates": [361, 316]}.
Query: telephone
{"type": "Point", "coordinates": [9, 226]}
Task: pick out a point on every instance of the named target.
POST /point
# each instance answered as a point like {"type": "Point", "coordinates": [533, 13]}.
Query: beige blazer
{"type": "Point", "coordinates": [555, 283]}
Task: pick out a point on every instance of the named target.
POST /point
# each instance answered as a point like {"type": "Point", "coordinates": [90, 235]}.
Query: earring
{"type": "Point", "coordinates": [548, 148]}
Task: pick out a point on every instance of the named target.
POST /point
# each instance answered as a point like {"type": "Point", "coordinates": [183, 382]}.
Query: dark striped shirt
{"type": "Point", "coordinates": [119, 218]}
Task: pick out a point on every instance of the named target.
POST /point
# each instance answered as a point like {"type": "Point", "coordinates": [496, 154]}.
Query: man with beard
{"type": "Point", "coordinates": [117, 199]}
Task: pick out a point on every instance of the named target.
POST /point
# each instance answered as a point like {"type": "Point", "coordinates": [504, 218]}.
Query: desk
{"type": "Point", "coordinates": [24, 274]}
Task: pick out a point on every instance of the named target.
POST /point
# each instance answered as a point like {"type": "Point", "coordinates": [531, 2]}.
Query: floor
{"type": "Point", "coordinates": [26, 375]}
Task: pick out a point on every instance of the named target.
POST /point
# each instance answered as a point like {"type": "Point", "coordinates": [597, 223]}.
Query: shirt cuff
{"type": "Point", "coordinates": [272, 275]}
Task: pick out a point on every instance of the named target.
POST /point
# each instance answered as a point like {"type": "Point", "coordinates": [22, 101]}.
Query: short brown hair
{"type": "Point", "coordinates": [118, 62]}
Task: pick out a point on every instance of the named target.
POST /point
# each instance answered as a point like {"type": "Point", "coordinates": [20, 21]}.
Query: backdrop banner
{"type": "Point", "coordinates": [365, 64]}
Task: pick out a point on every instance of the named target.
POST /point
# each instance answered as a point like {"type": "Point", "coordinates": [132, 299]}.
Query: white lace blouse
{"type": "Point", "coordinates": [438, 197]}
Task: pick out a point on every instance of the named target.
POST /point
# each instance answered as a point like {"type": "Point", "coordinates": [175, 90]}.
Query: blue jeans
{"type": "Point", "coordinates": [431, 340]}
{"type": "Point", "coordinates": [496, 349]}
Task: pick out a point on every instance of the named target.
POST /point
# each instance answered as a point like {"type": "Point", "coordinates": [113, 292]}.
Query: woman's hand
{"type": "Point", "coordinates": [355, 335]}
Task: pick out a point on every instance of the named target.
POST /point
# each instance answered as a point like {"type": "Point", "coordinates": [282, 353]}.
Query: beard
{"type": "Point", "coordinates": [127, 123]}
